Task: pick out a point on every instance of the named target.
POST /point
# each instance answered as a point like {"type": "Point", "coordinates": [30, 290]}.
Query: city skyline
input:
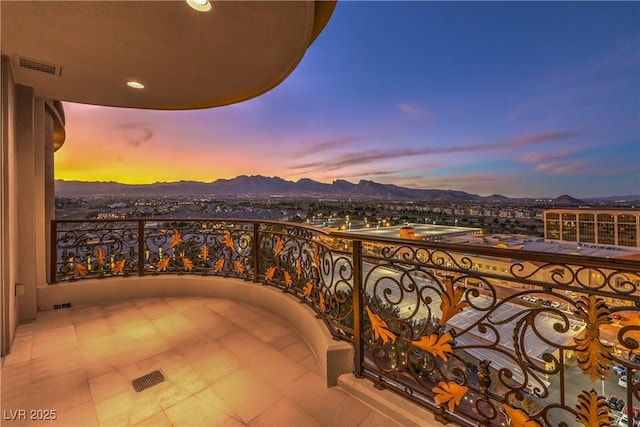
{"type": "Point", "coordinates": [531, 99]}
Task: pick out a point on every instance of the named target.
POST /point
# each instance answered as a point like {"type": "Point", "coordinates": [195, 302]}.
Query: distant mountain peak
{"type": "Point", "coordinates": [262, 185]}
{"type": "Point", "coordinates": [567, 200]}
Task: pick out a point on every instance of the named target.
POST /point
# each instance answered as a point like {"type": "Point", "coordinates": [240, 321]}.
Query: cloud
{"type": "Point", "coordinates": [565, 168]}
{"type": "Point", "coordinates": [545, 157]}
{"type": "Point", "coordinates": [414, 111]}
{"type": "Point", "coordinates": [365, 173]}
{"type": "Point", "coordinates": [346, 160]}
{"type": "Point", "coordinates": [538, 138]}
{"type": "Point", "coordinates": [353, 159]}
{"type": "Point", "coordinates": [483, 183]}
{"type": "Point", "coordinates": [319, 147]}
{"type": "Point", "coordinates": [134, 134]}
{"type": "Point", "coordinates": [460, 180]}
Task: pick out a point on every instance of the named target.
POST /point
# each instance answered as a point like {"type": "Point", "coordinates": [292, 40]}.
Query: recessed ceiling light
{"type": "Point", "coordinates": [135, 85]}
{"type": "Point", "coordinates": [200, 5]}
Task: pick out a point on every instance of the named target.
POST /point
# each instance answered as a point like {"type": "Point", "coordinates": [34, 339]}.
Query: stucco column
{"type": "Point", "coordinates": [8, 311]}
{"type": "Point", "coordinates": [30, 202]}
{"type": "Point", "coordinates": [39, 149]}
{"type": "Point", "coordinates": [49, 184]}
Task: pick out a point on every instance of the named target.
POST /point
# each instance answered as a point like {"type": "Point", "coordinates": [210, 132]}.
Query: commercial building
{"type": "Point", "coordinates": [611, 227]}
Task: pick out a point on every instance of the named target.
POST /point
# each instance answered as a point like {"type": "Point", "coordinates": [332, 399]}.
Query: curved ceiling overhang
{"type": "Point", "coordinates": [87, 51]}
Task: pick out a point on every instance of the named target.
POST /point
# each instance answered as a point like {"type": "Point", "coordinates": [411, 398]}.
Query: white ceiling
{"type": "Point", "coordinates": [186, 59]}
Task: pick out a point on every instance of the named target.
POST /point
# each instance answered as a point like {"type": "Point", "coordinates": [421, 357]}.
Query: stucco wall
{"type": "Point", "coordinates": [23, 221]}
{"type": "Point", "coordinates": [8, 205]}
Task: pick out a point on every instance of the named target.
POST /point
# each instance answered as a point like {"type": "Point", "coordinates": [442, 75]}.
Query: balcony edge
{"type": "Point", "coordinates": [388, 403]}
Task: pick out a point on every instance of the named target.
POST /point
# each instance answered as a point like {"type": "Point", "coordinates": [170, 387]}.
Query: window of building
{"type": "Point", "coordinates": [606, 233]}
{"type": "Point", "coordinates": [587, 231]}
{"type": "Point", "coordinates": [626, 219]}
{"type": "Point", "coordinates": [627, 234]}
{"type": "Point", "coordinates": [553, 230]}
{"type": "Point", "coordinates": [605, 218]}
{"type": "Point", "coordinates": [569, 229]}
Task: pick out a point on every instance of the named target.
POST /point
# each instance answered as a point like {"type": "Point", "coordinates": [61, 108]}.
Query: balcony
{"type": "Point", "coordinates": [528, 338]}
{"type": "Point", "coordinates": [224, 364]}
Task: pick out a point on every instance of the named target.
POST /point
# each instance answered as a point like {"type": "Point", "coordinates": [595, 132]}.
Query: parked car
{"type": "Point", "coordinates": [623, 421]}
{"type": "Point", "coordinates": [622, 381]}
{"type": "Point", "coordinates": [555, 304]}
{"type": "Point", "coordinates": [636, 359]}
{"type": "Point", "coordinates": [615, 402]}
{"type": "Point", "coordinates": [620, 370]}
{"type": "Point", "coordinates": [615, 316]}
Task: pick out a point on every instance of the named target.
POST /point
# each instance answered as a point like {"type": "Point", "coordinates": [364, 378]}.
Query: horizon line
{"type": "Point", "coordinates": [361, 180]}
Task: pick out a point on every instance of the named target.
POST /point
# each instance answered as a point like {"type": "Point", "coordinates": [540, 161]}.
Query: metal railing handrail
{"type": "Point", "coordinates": [520, 254]}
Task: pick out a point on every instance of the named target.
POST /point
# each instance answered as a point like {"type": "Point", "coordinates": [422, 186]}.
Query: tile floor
{"type": "Point", "coordinates": [225, 364]}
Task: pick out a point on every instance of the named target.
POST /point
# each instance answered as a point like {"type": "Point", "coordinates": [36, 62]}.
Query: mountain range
{"type": "Point", "coordinates": [258, 185]}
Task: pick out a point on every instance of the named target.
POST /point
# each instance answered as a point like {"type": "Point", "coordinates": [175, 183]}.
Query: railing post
{"type": "Point", "coordinates": [141, 239]}
{"type": "Point", "coordinates": [358, 349]}
{"type": "Point", "coordinates": [256, 253]}
{"type": "Point", "coordinates": [53, 252]}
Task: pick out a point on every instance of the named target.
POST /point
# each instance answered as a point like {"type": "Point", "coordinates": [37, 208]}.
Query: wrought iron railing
{"type": "Point", "coordinates": [478, 335]}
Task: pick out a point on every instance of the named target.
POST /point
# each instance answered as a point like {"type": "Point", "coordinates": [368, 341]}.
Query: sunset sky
{"type": "Point", "coordinates": [531, 99]}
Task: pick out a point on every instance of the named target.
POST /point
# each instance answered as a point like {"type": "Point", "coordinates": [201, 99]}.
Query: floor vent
{"type": "Point", "coordinates": [147, 381]}
{"type": "Point", "coordinates": [63, 305]}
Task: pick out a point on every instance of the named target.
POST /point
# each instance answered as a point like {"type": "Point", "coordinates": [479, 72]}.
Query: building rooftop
{"type": "Point", "coordinates": [538, 244]}
{"type": "Point", "coordinates": [594, 209]}
{"type": "Point", "coordinates": [422, 231]}
{"type": "Point", "coordinates": [474, 236]}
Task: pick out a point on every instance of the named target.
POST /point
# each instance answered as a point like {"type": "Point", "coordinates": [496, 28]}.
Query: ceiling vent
{"type": "Point", "coordinates": [39, 66]}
